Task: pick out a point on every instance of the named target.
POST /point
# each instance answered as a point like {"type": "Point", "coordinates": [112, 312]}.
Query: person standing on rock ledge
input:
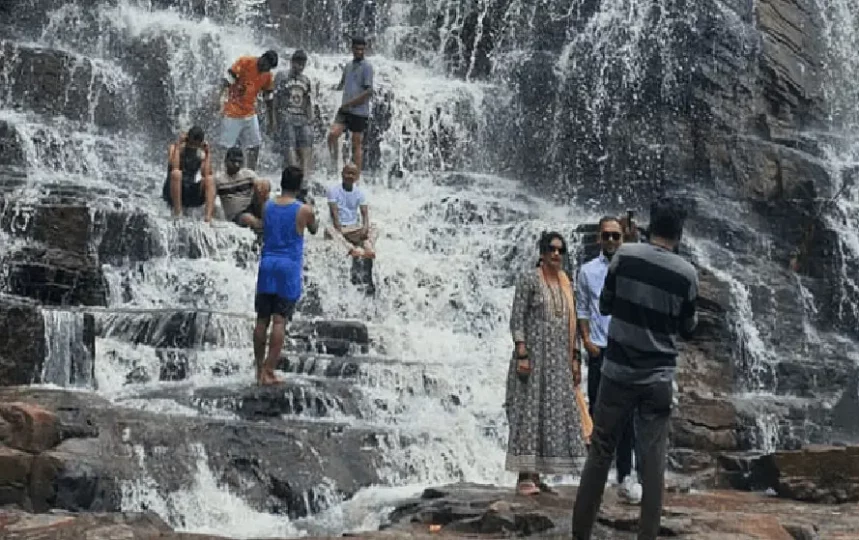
{"type": "Point", "coordinates": [248, 76]}
{"type": "Point", "coordinates": [594, 330]}
{"type": "Point", "coordinates": [650, 293]}
{"type": "Point", "coordinates": [296, 127]}
{"type": "Point", "coordinates": [357, 86]}
{"type": "Point", "coordinates": [546, 435]}
{"type": "Point", "coordinates": [279, 280]}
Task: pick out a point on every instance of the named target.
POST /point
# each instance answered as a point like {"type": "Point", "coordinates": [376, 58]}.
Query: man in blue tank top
{"type": "Point", "coordinates": [279, 280]}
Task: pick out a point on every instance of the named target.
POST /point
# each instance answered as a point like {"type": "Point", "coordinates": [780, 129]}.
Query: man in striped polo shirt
{"type": "Point", "coordinates": [242, 193]}
{"type": "Point", "coordinates": [650, 293]}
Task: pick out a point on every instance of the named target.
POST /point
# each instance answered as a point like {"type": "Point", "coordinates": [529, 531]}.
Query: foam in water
{"type": "Point", "coordinates": [205, 507]}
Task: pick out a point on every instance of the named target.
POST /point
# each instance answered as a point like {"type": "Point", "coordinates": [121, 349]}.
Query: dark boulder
{"type": "Point", "coordinates": [56, 83]}
{"type": "Point", "coordinates": [11, 150]}
{"type": "Point", "coordinates": [282, 467]}
{"type": "Point", "coordinates": [22, 332]}
{"type": "Point", "coordinates": [56, 277]}
{"type": "Point", "coordinates": [324, 26]}
{"type": "Point", "coordinates": [816, 474]}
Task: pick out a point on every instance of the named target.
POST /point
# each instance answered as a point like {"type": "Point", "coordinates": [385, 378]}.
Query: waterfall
{"type": "Point", "coordinates": [69, 344]}
{"type": "Point", "coordinates": [841, 39]}
{"type": "Point", "coordinates": [493, 120]}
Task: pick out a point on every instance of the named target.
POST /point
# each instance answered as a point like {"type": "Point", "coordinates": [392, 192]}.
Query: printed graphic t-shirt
{"type": "Point", "coordinates": [241, 102]}
{"type": "Point", "coordinates": [297, 94]}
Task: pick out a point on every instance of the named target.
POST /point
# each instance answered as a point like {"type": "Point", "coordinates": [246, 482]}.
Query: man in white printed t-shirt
{"type": "Point", "coordinates": [350, 217]}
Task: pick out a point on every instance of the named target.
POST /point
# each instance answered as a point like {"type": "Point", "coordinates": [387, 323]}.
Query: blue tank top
{"type": "Point", "coordinates": [281, 263]}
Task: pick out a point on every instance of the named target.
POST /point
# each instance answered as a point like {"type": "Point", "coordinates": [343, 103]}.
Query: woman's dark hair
{"type": "Point", "coordinates": [291, 179]}
{"type": "Point", "coordinates": [666, 218]}
{"type": "Point", "coordinates": [545, 242]}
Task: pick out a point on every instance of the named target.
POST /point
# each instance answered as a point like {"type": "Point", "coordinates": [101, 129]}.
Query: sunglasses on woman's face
{"type": "Point", "coordinates": [611, 236]}
{"type": "Point", "coordinates": [556, 249]}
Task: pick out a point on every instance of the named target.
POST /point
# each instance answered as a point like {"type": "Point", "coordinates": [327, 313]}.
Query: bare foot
{"type": "Point", "coordinates": [270, 379]}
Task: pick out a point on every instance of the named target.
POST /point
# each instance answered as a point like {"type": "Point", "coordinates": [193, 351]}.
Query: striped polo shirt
{"type": "Point", "coordinates": [236, 192]}
{"type": "Point", "coordinates": [650, 294]}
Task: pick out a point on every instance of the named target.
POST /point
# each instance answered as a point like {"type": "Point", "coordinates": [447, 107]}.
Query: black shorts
{"type": "Point", "coordinates": [192, 194]}
{"type": "Point", "coordinates": [353, 122]}
{"type": "Point", "coordinates": [267, 305]}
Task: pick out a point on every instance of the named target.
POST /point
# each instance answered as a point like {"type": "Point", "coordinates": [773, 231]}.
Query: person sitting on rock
{"type": "Point", "coordinates": [242, 193]}
{"type": "Point", "coordinates": [279, 280]}
{"type": "Point", "coordinates": [349, 227]}
{"type": "Point", "coordinates": [189, 182]}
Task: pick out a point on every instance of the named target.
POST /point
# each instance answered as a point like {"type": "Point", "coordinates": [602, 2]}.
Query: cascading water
{"type": "Point", "coordinates": [841, 39]}
{"type": "Point", "coordinates": [588, 95]}
{"type": "Point", "coordinates": [450, 244]}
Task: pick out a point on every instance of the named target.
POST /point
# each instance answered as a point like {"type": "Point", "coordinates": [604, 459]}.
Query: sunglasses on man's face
{"type": "Point", "coordinates": [611, 236]}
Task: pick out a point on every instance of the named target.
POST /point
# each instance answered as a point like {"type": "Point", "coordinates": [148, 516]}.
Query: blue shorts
{"type": "Point", "coordinates": [296, 136]}
{"type": "Point", "coordinates": [241, 132]}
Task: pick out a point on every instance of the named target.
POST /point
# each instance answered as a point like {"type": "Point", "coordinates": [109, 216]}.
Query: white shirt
{"type": "Point", "coordinates": [348, 203]}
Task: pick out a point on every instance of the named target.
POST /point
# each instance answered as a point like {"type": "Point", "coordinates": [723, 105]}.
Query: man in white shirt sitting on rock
{"type": "Point", "coordinates": [350, 216]}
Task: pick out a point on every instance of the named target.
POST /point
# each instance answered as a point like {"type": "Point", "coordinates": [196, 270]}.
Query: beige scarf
{"type": "Point", "coordinates": [566, 287]}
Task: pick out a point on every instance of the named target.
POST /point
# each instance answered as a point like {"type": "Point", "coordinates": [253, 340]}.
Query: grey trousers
{"type": "Point", "coordinates": [616, 402]}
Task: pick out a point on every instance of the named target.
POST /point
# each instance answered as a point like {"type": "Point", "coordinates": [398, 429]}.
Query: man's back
{"type": "Point", "coordinates": [650, 294]}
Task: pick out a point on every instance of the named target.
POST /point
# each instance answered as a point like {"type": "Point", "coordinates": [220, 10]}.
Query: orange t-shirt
{"type": "Point", "coordinates": [242, 97]}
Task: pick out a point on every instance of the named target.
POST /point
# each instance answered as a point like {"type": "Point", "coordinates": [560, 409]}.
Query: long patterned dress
{"type": "Point", "coordinates": [545, 426]}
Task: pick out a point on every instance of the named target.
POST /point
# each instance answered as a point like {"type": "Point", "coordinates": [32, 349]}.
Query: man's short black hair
{"type": "Point", "coordinates": [358, 40]}
{"type": "Point", "coordinates": [606, 219]}
{"type": "Point", "coordinates": [667, 217]}
{"type": "Point", "coordinates": [234, 154]}
{"type": "Point", "coordinates": [299, 56]}
{"type": "Point", "coordinates": [271, 55]}
{"type": "Point", "coordinates": [196, 135]}
{"type": "Point", "coordinates": [291, 179]}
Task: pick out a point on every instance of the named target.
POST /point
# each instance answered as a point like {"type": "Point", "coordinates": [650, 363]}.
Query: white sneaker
{"type": "Point", "coordinates": [630, 490]}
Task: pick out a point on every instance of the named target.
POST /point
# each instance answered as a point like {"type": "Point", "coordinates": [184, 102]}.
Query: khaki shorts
{"type": "Point", "coordinates": [351, 237]}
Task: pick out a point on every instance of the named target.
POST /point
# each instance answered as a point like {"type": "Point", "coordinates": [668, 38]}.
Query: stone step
{"type": "Point", "coordinates": [194, 329]}
{"type": "Point", "coordinates": [295, 398]}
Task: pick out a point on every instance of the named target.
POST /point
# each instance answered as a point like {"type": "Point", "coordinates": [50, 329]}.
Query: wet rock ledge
{"type": "Point", "coordinates": [477, 511]}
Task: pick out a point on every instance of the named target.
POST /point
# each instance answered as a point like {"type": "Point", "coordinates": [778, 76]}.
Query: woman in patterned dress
{"type": "Point", "coordinates": [545, 427]}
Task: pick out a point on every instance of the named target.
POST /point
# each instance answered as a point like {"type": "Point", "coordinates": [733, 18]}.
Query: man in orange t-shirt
{"type": "Point", "coordinates": [249, 76]}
